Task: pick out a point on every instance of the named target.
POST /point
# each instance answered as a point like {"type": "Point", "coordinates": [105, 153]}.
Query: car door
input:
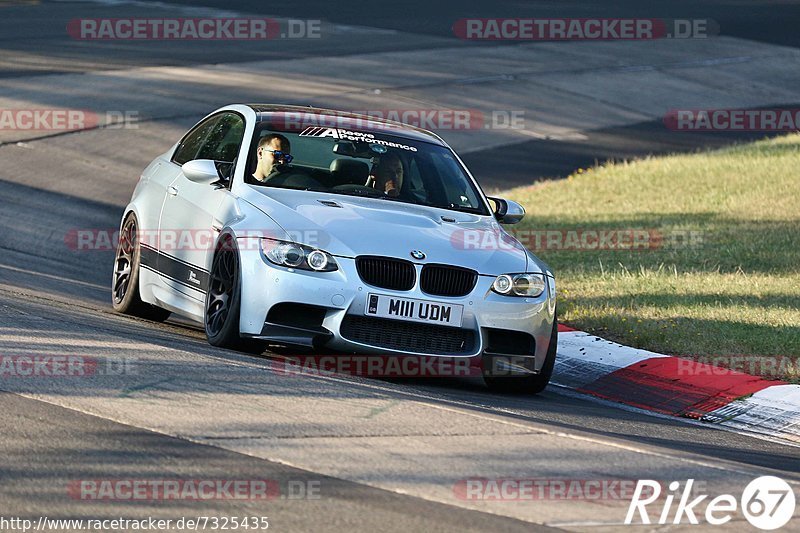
{"type": "Point", "coordinates": [189, 226]}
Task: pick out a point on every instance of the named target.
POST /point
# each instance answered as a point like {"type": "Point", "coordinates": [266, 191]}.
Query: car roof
{"type": "Point", "coordinates": [306, 116]}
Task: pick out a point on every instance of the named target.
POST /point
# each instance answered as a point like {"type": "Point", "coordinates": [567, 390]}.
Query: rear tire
{"type": "Point", "coordinates": [532, 384]}
{"type": "Point", "coordinates": [125, 296]}
{"type": "Point", "coordinates": [223, 299]}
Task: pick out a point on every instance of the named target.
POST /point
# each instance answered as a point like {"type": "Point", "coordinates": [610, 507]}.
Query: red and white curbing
{"type": "Point", "coordinates": [676, 386]}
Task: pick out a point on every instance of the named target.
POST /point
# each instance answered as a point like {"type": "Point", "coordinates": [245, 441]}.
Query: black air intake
{"type": "Point", "coordinates": [387, 273]}
{"type": "Point", "coordinates": [443, 280]}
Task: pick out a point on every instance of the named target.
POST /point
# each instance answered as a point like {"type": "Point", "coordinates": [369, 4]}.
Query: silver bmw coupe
{"type": "Point", "coordinates": [337, 232]}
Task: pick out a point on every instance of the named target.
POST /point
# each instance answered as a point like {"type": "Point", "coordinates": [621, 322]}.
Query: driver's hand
{"type": "Point", "coordinates": [390, 189]}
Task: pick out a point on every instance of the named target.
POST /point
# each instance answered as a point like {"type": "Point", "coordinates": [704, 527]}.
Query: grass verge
{"type": "Point", "coordinates": [714, 272]}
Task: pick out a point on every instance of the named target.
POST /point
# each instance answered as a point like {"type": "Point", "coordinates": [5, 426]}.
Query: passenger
{"type": "Point", "coordinates": [389, 174]}
{"type": "Point", "coordinates": [274, 152]}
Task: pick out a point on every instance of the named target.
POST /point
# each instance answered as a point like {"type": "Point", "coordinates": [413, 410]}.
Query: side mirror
{"type": "Point", "coordinates": [201, 171]}
{"type": "Point", "coordinates": [507, 211]}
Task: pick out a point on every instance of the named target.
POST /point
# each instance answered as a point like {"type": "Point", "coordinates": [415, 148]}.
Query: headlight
{"type": "Point", "coordinates": [519, 284]}
{"type": "Point", "coordinates": [503, 284]}
{"type": "Point", "coordinates": [286, 254]}
{"type": "Point", "coordinates": [293, 255]}
{"type": "Point", "coordinates": [317, 260]}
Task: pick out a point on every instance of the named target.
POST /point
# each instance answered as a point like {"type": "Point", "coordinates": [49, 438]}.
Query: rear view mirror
{"type": "Point", "coordinates": [345, 148]}
{"type": "Point", "coordinates": [360, 149]}
{"type": "Point", "coordinates": [201, 171]}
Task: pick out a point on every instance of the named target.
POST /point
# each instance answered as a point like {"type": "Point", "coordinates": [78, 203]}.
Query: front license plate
{"type": "Point", "coordinates": [414, 310]}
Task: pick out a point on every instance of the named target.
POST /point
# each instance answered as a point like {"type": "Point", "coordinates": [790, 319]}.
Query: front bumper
{"type": "Point", "coordinates": [330, 313]}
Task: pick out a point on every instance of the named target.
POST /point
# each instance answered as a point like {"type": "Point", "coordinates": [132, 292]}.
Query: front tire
{"type": "Point", "coordinates": [532, 384]}
{"type": "Point", "coordinates": [223, 302]}
{"type": "Point", "coordinates": [125, 296]}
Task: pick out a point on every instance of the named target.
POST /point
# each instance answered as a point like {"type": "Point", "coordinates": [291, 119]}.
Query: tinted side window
{"type": "Point", "coordinates": [191, 143]}
{"type": "Point", "coordinates": [224, 140]}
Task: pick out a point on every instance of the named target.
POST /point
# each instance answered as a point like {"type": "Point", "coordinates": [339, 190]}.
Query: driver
{"type": "Point", "coordinates": [273, 155]}
{"type": "Point", "coordinates": [389, 174]}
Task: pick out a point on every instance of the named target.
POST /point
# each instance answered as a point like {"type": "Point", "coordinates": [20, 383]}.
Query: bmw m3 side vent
{"type": "Point", "coordinates": [408, 336]}
{"type": "Point", "coordinates": [387, 273]}
{"type": "Point", "coordinates": [443, 280]}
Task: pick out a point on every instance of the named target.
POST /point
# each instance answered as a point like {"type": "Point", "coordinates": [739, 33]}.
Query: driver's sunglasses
{"type": "Point", "coordinates": [281, 155]}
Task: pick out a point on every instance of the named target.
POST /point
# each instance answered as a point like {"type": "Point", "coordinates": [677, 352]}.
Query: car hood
{"type": "Point", "coordinates": [350, 226]}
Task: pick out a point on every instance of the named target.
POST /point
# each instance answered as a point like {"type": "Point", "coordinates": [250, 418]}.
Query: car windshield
{"type": "Point", "coordinates": [375, 165]}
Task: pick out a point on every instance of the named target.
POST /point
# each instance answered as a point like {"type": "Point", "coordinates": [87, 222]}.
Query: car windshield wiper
{"type": "Point", "coordinates": [295, 188]}
{"type": "Point", "coordinates": [360, 193]}
{"type": "Point", "coordinates": [463, 209]}
{"type": "Point", "coordinates": [381, 196]}
{"type": "Point", "coordinates": [451, 207]}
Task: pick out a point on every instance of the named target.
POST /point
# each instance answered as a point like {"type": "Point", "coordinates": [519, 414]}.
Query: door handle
{"type": "Point", "coordinates": [173, 191]}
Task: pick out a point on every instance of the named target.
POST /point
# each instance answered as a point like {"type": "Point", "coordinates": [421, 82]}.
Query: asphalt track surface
{"type": "Point", "coordinates": [385, 454]}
